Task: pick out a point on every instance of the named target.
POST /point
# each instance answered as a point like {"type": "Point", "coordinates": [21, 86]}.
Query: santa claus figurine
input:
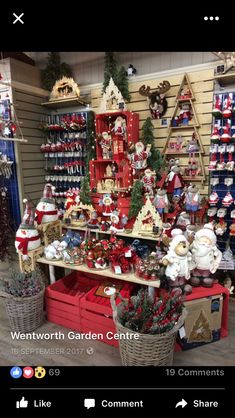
{"type": "Point", "coordinates": [175, 181]}
{"type": "Point", "coordinates": [139, 158]}
{"type": "Point", "coordinates": [148, 181]}
{"type": "Point", "coordinates": [107, 205]}
{"type": "Point", "coordinates": [117, 225]}
{"type": "Point", "coordinates": [206, 257]}
{"type": "Point", "coordinates": [105, 143]}
{"type": "Point", "coordinates": [46, 209]}
{"type": "Point", "coordinates": [27, 236]}
{"type": "Point", "coordinates": [119, 128]}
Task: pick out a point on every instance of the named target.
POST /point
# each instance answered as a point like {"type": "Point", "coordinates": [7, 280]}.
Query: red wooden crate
{"type": "Point", "coordinates": [63, 299]}
{"type": "Point", "coordinates": [96, 312]}
{"type": "Point", "coordinates": [101, 305]}
{"type": "Point", "coordinates": [64, 322]}
{"type": "Point", "coordinates": [88, 326]}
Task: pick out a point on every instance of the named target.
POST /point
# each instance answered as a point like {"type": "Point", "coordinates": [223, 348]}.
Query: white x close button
{"type": "Point", "coordinates": [18, 18]}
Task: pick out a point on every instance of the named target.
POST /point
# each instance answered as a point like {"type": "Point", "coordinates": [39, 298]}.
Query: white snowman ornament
{"type": "Point", "coordinates": [46, 210]}
{"type": "Point", "coordinates": [27, 236]}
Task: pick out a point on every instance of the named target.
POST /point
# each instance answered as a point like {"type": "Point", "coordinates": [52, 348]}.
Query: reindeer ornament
{"type": "Point", "coordinates": [156, 99]}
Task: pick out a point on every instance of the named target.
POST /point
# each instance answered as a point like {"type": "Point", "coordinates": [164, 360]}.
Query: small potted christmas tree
{"type": "Point", "coordinates": [24, 297]}
{"type": "Point", "coordinates": [150, 324]}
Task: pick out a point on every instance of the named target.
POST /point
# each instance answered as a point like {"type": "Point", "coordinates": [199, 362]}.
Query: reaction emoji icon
{"type": "Point", "coordinates": [39, 372]}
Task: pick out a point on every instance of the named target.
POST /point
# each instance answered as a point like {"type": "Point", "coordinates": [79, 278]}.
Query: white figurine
{"type": "Point", "coordinates": [27, 236]}
{"type": "Point", "coordinates": [206, 257]}
{"type": "Point", "coordinates": [177, 262]}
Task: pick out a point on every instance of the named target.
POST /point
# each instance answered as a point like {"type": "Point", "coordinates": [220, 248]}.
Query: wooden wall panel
{"type": "Point", "coordinates": [30, 159]}
{"type": "Point", "coordinates": [202, 85]}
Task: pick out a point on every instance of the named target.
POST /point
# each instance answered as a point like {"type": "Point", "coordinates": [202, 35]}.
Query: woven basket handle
{"type": "Point", "coordinates": [4, 294]}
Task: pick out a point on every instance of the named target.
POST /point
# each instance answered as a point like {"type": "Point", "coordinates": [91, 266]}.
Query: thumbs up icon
{"type": "Point", "coordinates": [22, 403]}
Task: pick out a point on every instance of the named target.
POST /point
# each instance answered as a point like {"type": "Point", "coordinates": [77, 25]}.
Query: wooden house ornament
{"type": "Point", "coordinates": [65, 88]}
{"type": "Point", "coordinates": [112, 99]}
{"type": "Point", "coordinates": [148, 220]}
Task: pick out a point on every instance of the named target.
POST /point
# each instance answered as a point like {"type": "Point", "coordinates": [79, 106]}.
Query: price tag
{"type": "Point", "coordinates": [117, 270]}
{"type": "Point", "coordinates": [182, 332]}
{"type": "Point", "coordinates": [128, 253]}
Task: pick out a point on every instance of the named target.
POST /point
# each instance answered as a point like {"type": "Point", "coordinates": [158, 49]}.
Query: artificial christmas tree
{"type": "Point", "coordinates": [85, 191]}
{"type": "Point", "coordinates": [136, 199]}
{"type": "Point", "coordinates": [110, 69]}
{"type": "Point", "coordinates": [155, 160]}
{"type": "Point", "coordinates": [122, 84]}
{"type": "Point", "coordinates": [119, 76]}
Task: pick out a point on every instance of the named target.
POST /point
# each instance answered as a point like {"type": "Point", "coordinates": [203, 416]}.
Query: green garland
{"type": "Point", "coordinates": [155, 161]}
{"type": "Point", "coordinates": [54, 71]}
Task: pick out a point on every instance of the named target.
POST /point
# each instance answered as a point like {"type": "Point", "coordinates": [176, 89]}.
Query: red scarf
{"type": "Point", "coordinates": [24, 243]}
{"type": "Point", "coordinates": [41, 213]}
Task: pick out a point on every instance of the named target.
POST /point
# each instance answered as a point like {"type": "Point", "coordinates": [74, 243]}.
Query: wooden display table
{"type": "Point", "coordinates": [132, 278]}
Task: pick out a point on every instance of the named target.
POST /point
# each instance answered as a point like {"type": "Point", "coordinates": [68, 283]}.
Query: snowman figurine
{"type": "Point", "coordinates": [46, 209]}
{"type": "Point", "coordinates": [27, 236]}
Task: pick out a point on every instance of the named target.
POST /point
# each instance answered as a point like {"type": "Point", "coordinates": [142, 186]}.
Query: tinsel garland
{"type": "Point", "coordinates": [4, 224]}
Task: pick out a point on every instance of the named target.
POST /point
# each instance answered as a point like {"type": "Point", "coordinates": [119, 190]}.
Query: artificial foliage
{"type": "Point", "coordinates": [110, 69]}
{"type": "Point", "coordinates": [85, 191]}
{"type": "Point", "coordinates": [150, 315]}
{"type": "Point", "coordinates": [24, 284]}
{"type": "Point", "coordinates": [136, 199]}
{"type": "Point", "coordinates": [155, 160]}
{"type": "Point", "coordinates": [118, 75]}
{"type": "Point", "coordinates": [122, 84]}
{"type": "Point", "coordinates": [90, 147]}
{"type": "Point", "coordinates": [5, 232]}
{"type": "Point", "coordinates": [54, 71]}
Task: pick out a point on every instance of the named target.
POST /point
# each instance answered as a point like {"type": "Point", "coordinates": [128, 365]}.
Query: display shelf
{"type": "Point", "coordinates": [131, 278]}
{"type": "Point", "coordinates": [221, 188]}
{"type": "Point", "coordinates": [179, 153]}
{"type": "Point", "coordinates": [59, 104]}
{"type": "Point", "coordinates": [224, 79]}
{"type": "Point", "coordinates": [184, 127]}
{"type": "Point", "coordinates": [121, 234]}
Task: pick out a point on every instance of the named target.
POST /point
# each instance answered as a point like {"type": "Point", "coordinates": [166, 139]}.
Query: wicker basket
{"type": "Point", "coordinates": [25, 313]}
{"type": "Point", "coordinates": [148, 350]}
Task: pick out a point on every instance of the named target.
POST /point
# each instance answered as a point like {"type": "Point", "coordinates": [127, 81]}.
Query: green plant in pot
{"type": "Point", "coordinates": [24, 298]}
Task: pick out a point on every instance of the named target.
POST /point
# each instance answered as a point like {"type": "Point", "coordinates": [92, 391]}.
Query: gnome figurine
{"type": "Point", "coordinates": [27, 236]}
{"type": "Point", "coordinates": [46, 210]}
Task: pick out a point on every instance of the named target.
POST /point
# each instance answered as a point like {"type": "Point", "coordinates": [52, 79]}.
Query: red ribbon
{"type": "Point", "coordinates": [41, 213]}
{"type": "Point", "coordinates": [24, 243]}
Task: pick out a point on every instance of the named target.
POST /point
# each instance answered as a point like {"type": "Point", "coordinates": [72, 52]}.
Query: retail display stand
{"type": "Point", "coordinates": [121, 179]}
{"type": "Point", "coordinates": [50, 232]}
{"type": "Point", "coordinates": [28, 264]}
{"type": "Point", "coordinates": [221, 168]}
{"type": "Point", "coordinates": [107, 273]}
{"type": "Point", "coordinates": [184, 119]}
{"type": "Point", "coordinates": [65, 150]}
